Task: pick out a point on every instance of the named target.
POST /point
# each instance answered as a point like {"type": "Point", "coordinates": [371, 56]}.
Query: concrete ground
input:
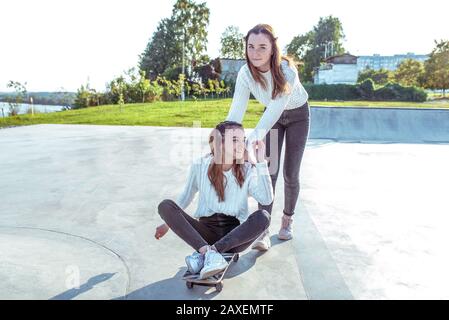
{"type": "Point", "coordinates": [78, 214]}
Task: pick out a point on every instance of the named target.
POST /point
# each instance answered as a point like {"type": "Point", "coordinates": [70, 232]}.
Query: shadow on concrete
{"type": "Point", "coordinates": [245, 263]}
{"type": "Point", "coordinates": [276, 241]}
{"type": "Point", "coordinates": [72, 293]}
{"type": "Point", "coordinates": [175, 289]}
{"type": "Point", "coordinates": [171, 289]}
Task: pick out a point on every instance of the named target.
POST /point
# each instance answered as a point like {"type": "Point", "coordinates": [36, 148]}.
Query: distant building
{"type": "Point", "coordinates": [391, 63]}
{"type": "Point", "coordinates": [337, 69]}
{"type": "Point", "coordinates": [230, 68]}
{"type": "Point", "coordinates": [345, 68]}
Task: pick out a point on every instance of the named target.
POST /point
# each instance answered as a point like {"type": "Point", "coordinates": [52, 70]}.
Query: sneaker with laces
{"type": "Point", "coordinates": [263, 243]}
{"type": "Point", "coordinates": [286, 228]}
{"type": "Point", "coordinates": [214, 263]}
{"type": "Point", "coordinates": [195, 262]}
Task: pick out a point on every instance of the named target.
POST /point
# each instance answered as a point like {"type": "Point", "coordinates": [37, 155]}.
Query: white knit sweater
{"type": "Point", "coordinates": [257, 184]}
{"type": "Point", "coordinates": [245, 85]}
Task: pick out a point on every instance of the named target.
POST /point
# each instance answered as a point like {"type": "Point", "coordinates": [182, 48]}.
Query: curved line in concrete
{"type": "Point", "coordinates": [128, 274]}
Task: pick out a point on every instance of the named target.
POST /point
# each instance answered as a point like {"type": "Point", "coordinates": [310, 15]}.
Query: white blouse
{"type": "Point", "coordinates": [257, 184]}
{"type": "Point", "coordinates": [245, 85]}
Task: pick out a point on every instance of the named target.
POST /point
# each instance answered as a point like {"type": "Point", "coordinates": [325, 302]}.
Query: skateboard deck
{"type": "Point", "coordinates": [214, 281]}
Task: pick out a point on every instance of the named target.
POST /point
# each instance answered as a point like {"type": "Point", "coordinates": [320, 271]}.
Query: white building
{"type": "Point", "coordinates": [337, 69]}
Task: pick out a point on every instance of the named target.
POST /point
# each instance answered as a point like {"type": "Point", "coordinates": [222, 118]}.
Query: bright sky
{"type": "Point", "coordinates": [54, 44]}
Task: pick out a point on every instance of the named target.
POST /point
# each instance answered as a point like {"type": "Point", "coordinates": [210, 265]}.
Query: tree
{"type": "Point", "coordinates": [184, 32]}
{"type": "Point", "coordinates": [207, 72]}
{"type": "Point", "coordinates": [163, 51]}
{"type": "Point", "coordinates": [82, 99]}
{"type": "Point", "coordinates": [299, 47]}
{"type": "Point", "coordinates": [116, 89]}
{"type": "Point", "coordinates": [144, 85]}
{"type": "Point", "coordinates": [409, 73]}
{"type": "Point", "coordinates": [19, 96]}
{"type": "Point", "coordinates": [328, 36]}
{"type": "Point", "coordinates": [232, 44]}
{"type": "Point", "coordinates": [437, 67]}
{"type": "Point", "coordinates": [313, 47]}
{"type": "Point", "coordinates": [88, 97]}
{"type": "Point", "coordinates": [380, 77]}
{"type": "Point", "coordinates": [190, 22]}
{"type": "Point", "coordinates": [216, 64]}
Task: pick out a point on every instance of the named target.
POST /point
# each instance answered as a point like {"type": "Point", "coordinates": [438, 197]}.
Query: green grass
{"type": "Point", "coordinates": [178, 114]}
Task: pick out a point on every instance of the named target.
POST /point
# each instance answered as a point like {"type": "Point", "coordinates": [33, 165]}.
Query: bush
{"type": "Point", "coordinates": [385, 93]}
{"type": "Point", "coordinates": [379, 77]}
{"type": "Point", "coordinates": [134, 87]}
{"type": "Point", "coordinates": [168, 88]}
{"type": "Point", "coordinates": [13, 110]}
{"type": "Point", "coordinates": [396, 92]}
{"type": "Point", "coordinates": [230, 84]}
{"type": "Point", "coordinates": [154, 92]}
{"type": "Point", "coordinates": [417, 94]}
{"type": "Point", "coordinates": [332, 91]}
{"type": "Point", "coordinates": [87, 97]}
{"type": "Point", "coordinates": [366, 89]}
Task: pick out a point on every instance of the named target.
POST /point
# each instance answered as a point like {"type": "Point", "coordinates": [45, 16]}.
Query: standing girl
{"type": "Point", "coordinates": [273, 80]}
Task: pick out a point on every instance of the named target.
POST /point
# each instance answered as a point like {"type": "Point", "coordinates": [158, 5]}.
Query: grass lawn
{"type": "Point", "coordinates": [179, 114]}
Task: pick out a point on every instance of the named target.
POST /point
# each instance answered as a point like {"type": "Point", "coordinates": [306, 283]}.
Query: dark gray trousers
{"type": "Point", "coordinates": [293, 127]}
{"type": "Point", "coordinates": [223, 231]}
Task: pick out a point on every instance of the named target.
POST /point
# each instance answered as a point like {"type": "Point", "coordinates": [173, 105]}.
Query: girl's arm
{"type": "Point", "coordinates": [191, 187]}
{"type": "Point", "coordinates": [275, 108]}
{"type": "Point", "coordinates": [260, 186]}
{"type": "Point", "coordinates": [240, 99]}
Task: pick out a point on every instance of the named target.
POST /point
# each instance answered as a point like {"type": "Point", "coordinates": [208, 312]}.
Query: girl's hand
{"type": "Point", "coordinates": [161, 231]}
{"type": "Point", "coordinates": [249, 156]}
{"type": "Point", "coordinates": [259, 150]}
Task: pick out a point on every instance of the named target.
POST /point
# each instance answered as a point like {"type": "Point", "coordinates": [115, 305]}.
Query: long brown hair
{"type": "Point", "coordinates": [215, 170]}
{"type": "Point", "coordinates": [280, 84]}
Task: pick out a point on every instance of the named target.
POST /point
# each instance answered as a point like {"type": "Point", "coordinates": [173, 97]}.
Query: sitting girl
{"type": "Point", "coordinates": [224, 181]}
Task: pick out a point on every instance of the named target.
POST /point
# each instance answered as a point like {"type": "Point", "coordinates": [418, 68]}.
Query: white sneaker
{"type": "Point", "coordinates": [195, 262]}
{"type": "Point", "coordinates": [286, 228]}
{"type": "Point", "coordinates": [214, 263]}
{"type": "Point", "coordinates": [263, 243]}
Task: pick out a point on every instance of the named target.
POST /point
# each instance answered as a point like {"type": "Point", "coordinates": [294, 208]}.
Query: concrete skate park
{"type": "Point", "coordinates": [78, 212]}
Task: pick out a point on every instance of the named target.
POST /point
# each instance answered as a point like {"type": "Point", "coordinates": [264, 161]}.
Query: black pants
{"type": "Point", "coordinates": [223, 231]}
{"type": "Point", "coordinates": [293, 125]}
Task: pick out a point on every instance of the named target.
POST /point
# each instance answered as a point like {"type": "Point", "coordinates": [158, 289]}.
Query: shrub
{"type": "Point", "coordinates": [385, 93]}
{"type": "Point", "coordinates": [154, 92]}
{"type": "Point", "coordinates": [394, 91]}
{"type": "Point", "coordinates": [366, 89]}
{"type": "Point", "coordinates": [332, 91]}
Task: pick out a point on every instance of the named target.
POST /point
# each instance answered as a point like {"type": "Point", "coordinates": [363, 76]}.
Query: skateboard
{"type": "Point", "coordinates": [214, 281]}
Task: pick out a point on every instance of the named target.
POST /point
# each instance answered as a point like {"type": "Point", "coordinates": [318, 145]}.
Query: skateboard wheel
{"type": "Point", "coordinates": [189, 284]}
{"type": "Point", "coordinates": [219, 287]}
{"type": "Point", "coordinates": [236, 258]}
